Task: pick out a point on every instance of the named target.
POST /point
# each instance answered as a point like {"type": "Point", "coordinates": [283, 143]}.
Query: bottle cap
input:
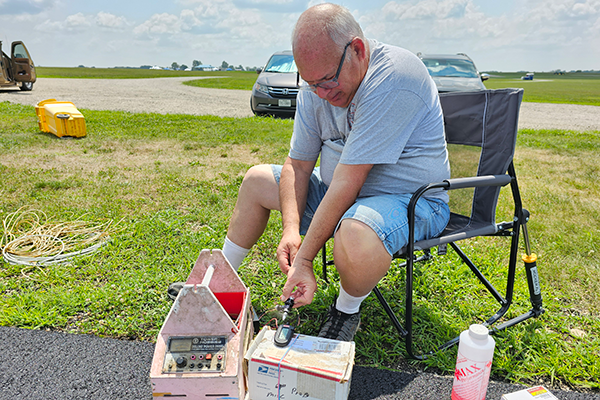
{"type": "Point", "coordinates": [479, 332]}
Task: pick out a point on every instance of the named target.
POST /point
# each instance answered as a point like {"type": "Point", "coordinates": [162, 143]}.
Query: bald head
{"type": "Point", "coordinates": [329, 46]}
{"type": "Point", "coordinates": [325, 24]}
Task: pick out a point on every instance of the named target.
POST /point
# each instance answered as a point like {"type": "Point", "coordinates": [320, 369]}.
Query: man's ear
{"type": "Point", "coordinates": [360, 48]}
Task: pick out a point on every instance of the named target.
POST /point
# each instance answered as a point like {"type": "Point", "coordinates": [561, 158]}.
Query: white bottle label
{"type": "Point", "coordinates": [470, 379]}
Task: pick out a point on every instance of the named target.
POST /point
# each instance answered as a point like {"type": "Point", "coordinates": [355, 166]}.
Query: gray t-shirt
{"type": "Point", "coordinates": [394, 122]}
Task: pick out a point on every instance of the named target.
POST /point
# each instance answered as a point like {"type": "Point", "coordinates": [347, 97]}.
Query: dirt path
{"type": "Point", "coordinates": [168, 95]}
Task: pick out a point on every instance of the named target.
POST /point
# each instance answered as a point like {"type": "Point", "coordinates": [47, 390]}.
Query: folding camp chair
{"type": "Point", "coordinates": [485, 121]}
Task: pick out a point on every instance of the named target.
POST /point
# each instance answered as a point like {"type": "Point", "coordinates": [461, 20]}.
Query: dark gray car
{"type": "Point", "coordinates": [453, 72]}
{"type": "Point", "coordinates": [276, 87]}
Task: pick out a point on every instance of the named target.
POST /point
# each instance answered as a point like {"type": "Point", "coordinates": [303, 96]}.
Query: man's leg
{"type": "Point", "coordinates": [370, 232]}
{"type": "Point", "coordinates": [360, 257]}
{"type": "Point", "coordinates": [361, 260]}
{"type": "Point", "coordinates": [258, 195]}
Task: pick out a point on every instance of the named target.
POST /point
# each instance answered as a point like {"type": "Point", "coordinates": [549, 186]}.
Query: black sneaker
{"type": "Point", "coordinates": [339, 325]}
{"type": "Point", "coordinates": [174, 289]}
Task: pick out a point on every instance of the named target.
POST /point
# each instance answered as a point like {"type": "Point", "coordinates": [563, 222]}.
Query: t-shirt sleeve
{"type": "Point", "coordinates": [383, 124]}
{"type": "Point", "coordinates": [306, 141]}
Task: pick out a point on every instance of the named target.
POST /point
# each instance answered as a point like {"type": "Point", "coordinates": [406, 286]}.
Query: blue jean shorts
{"type": "Point", "coordinates": [385, 214]}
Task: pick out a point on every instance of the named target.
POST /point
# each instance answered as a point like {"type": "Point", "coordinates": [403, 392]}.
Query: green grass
{"type": "Point", "coordinates": [237, 80]}
{"type": "Point", "coordinates": [241, 81]}
{"type": "Point", "coordinates": [128, 73]}
{"type": "Point", "coordinates": [573, 88]}
{"type": "Point", "coordinates": [172, 181]}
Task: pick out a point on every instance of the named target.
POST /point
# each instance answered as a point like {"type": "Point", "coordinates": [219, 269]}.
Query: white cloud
{"type": "Point", "coordinates": [189, 20]}
{"type": "Point", "coordinates": [536, 28]}
{"type": "Point", "coordinates": [530, 34]}
{"type": "Point", "coordinates": [428, 9]}
{"type": "Point", "coordinates": [110, 21]}
{"type": "Point", "coordinates": [77, 21]}
{"type": "Point", "coordinates": [315, 2]}
{"type": "Point", "coordinates": [159, 24]}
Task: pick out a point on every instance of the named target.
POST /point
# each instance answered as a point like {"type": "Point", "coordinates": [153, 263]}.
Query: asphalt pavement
{"type": "Point", "coordinates": [41, 365]}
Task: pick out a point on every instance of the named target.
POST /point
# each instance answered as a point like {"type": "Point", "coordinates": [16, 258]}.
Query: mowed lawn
{"type": "Point", "coordinates": [169, 183]}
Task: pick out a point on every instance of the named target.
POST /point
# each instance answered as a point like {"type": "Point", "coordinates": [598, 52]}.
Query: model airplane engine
{"type": "Point", "coordinates": [200, 348]}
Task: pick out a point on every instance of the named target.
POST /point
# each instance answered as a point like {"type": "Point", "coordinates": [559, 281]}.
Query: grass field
{"type": "Point", "coordinates": [575, 88]}
{"type": "Point", "coordinates": [127, 73]}
{"type": "Point", "coordinates": [169, 183]}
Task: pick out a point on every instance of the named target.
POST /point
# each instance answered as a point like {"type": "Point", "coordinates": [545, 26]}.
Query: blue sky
{"type": "Point", "coordinates": [501, 35]}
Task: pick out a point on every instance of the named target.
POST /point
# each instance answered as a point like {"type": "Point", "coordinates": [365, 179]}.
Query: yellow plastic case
{"type": "Point", "coordinates": [60, 118]}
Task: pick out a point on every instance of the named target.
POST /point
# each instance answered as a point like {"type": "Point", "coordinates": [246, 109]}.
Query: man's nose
{"type": "Point", "coordinates": [323, 92]}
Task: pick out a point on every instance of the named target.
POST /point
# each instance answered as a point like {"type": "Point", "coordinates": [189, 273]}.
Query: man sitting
{"type": "Point", "coordinates": [372, 113]}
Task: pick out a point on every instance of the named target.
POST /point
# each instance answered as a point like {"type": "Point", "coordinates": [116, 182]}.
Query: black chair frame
{"type": "Point", "coordinates": [490, 117]}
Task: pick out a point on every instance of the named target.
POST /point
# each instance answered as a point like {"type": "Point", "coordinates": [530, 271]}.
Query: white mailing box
{"type": "Point", "coordinates": [308, 368]}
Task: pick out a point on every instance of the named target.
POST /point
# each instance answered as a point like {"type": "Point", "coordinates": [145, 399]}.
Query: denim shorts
{"type": "Point", "coordinates": [385, 214]}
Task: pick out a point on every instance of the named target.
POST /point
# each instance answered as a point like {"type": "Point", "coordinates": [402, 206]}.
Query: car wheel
{"type": "Point", "coordinates": [26, 86]}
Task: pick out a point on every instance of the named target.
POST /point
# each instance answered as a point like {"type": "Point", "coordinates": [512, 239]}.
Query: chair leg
{"type": "Point", "coordinates": [324, 262]}
{"type": "Point", "coordinates": [499, 298]}
{"type": "Point", "coordinates": [390, 312]}
{"type": "Point", "coordinates": [533, 280]}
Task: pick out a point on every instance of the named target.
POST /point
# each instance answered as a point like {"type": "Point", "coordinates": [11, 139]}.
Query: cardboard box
{"type": "Point", "coordinates": [534, 393]}
{"type": "Point", "coordinates": [309, 368]}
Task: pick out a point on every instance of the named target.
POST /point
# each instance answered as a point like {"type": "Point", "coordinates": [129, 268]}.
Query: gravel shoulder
{"type": "Point", "coordinates": [170, 96]}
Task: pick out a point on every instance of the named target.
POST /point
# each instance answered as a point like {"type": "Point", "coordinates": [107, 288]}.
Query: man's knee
{"type": "Point", "coordinates": [356, 242]}
{"type": "Point", "coordinates": [360, 257]}
{"type": "Point", "coordinates": [259, 179]}
{"type": "Point", "coordinates": [259, 175]}
{"type": "Point", "coordinates": [260, 187]}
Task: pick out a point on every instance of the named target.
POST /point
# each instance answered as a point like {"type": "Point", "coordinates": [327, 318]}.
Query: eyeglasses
{"type": "Point", "coordinates": [330, 83]}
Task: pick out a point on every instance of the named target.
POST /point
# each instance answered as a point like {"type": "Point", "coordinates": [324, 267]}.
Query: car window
{"type": "Point", "coordinates": [281, 63]}
{"type": "Point", "coordinates": [456, 68]}
{"type": "Point", "coordinates": [20, 52]}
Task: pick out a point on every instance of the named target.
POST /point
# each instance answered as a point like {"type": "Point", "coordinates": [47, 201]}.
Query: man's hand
{"type": "Point", "coordinates": [302, 278]}
{"type": "Point", "coordinates": [287, 250]}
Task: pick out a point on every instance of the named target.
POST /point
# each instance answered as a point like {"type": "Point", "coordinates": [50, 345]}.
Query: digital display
{"type": "Point", "coordinates": [283, 334]}
{"type": "Point", "coordinates": [180, 345]}
{"type": "Point", "coordinates": [200, 343]}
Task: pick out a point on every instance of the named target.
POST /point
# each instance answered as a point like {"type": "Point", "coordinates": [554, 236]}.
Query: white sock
{"type": "Point", "coordinates": [348, 304]}
{"type": "Point", "coordinates": [233, 253]}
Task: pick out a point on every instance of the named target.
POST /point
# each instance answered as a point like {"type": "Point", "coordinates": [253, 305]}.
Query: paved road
{"type": "Point", "coordinates": [168, 95]}
{"type": "Point", "coordinates": [52, 365]}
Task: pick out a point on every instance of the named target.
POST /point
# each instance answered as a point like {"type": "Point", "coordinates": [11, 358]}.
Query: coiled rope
{"type": "Point", "coordinates": [29, 238]}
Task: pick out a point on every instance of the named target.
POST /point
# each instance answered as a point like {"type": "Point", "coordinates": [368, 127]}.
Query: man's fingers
{"type": "Point", "coordinates": [302, 298]}
{"type": "Point", "coordinates": [283, 257]}
{"type": "Point", "coordinates": [287, 291]}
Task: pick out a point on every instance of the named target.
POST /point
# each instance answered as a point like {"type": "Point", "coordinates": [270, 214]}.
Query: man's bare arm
{"type": "Point", "coordinates": [293, 190]}
{"type": "Point", "coordinates": [345, 186]}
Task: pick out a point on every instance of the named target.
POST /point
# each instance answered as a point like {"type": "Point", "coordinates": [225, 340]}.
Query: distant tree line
{"type": "Point", "coordinates": [225, 66]}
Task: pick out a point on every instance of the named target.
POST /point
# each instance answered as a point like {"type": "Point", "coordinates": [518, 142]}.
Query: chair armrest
{"type": "Point", "coordinates": [478, 181]}
{"type": "Point", "coordinates": [450, 184]}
